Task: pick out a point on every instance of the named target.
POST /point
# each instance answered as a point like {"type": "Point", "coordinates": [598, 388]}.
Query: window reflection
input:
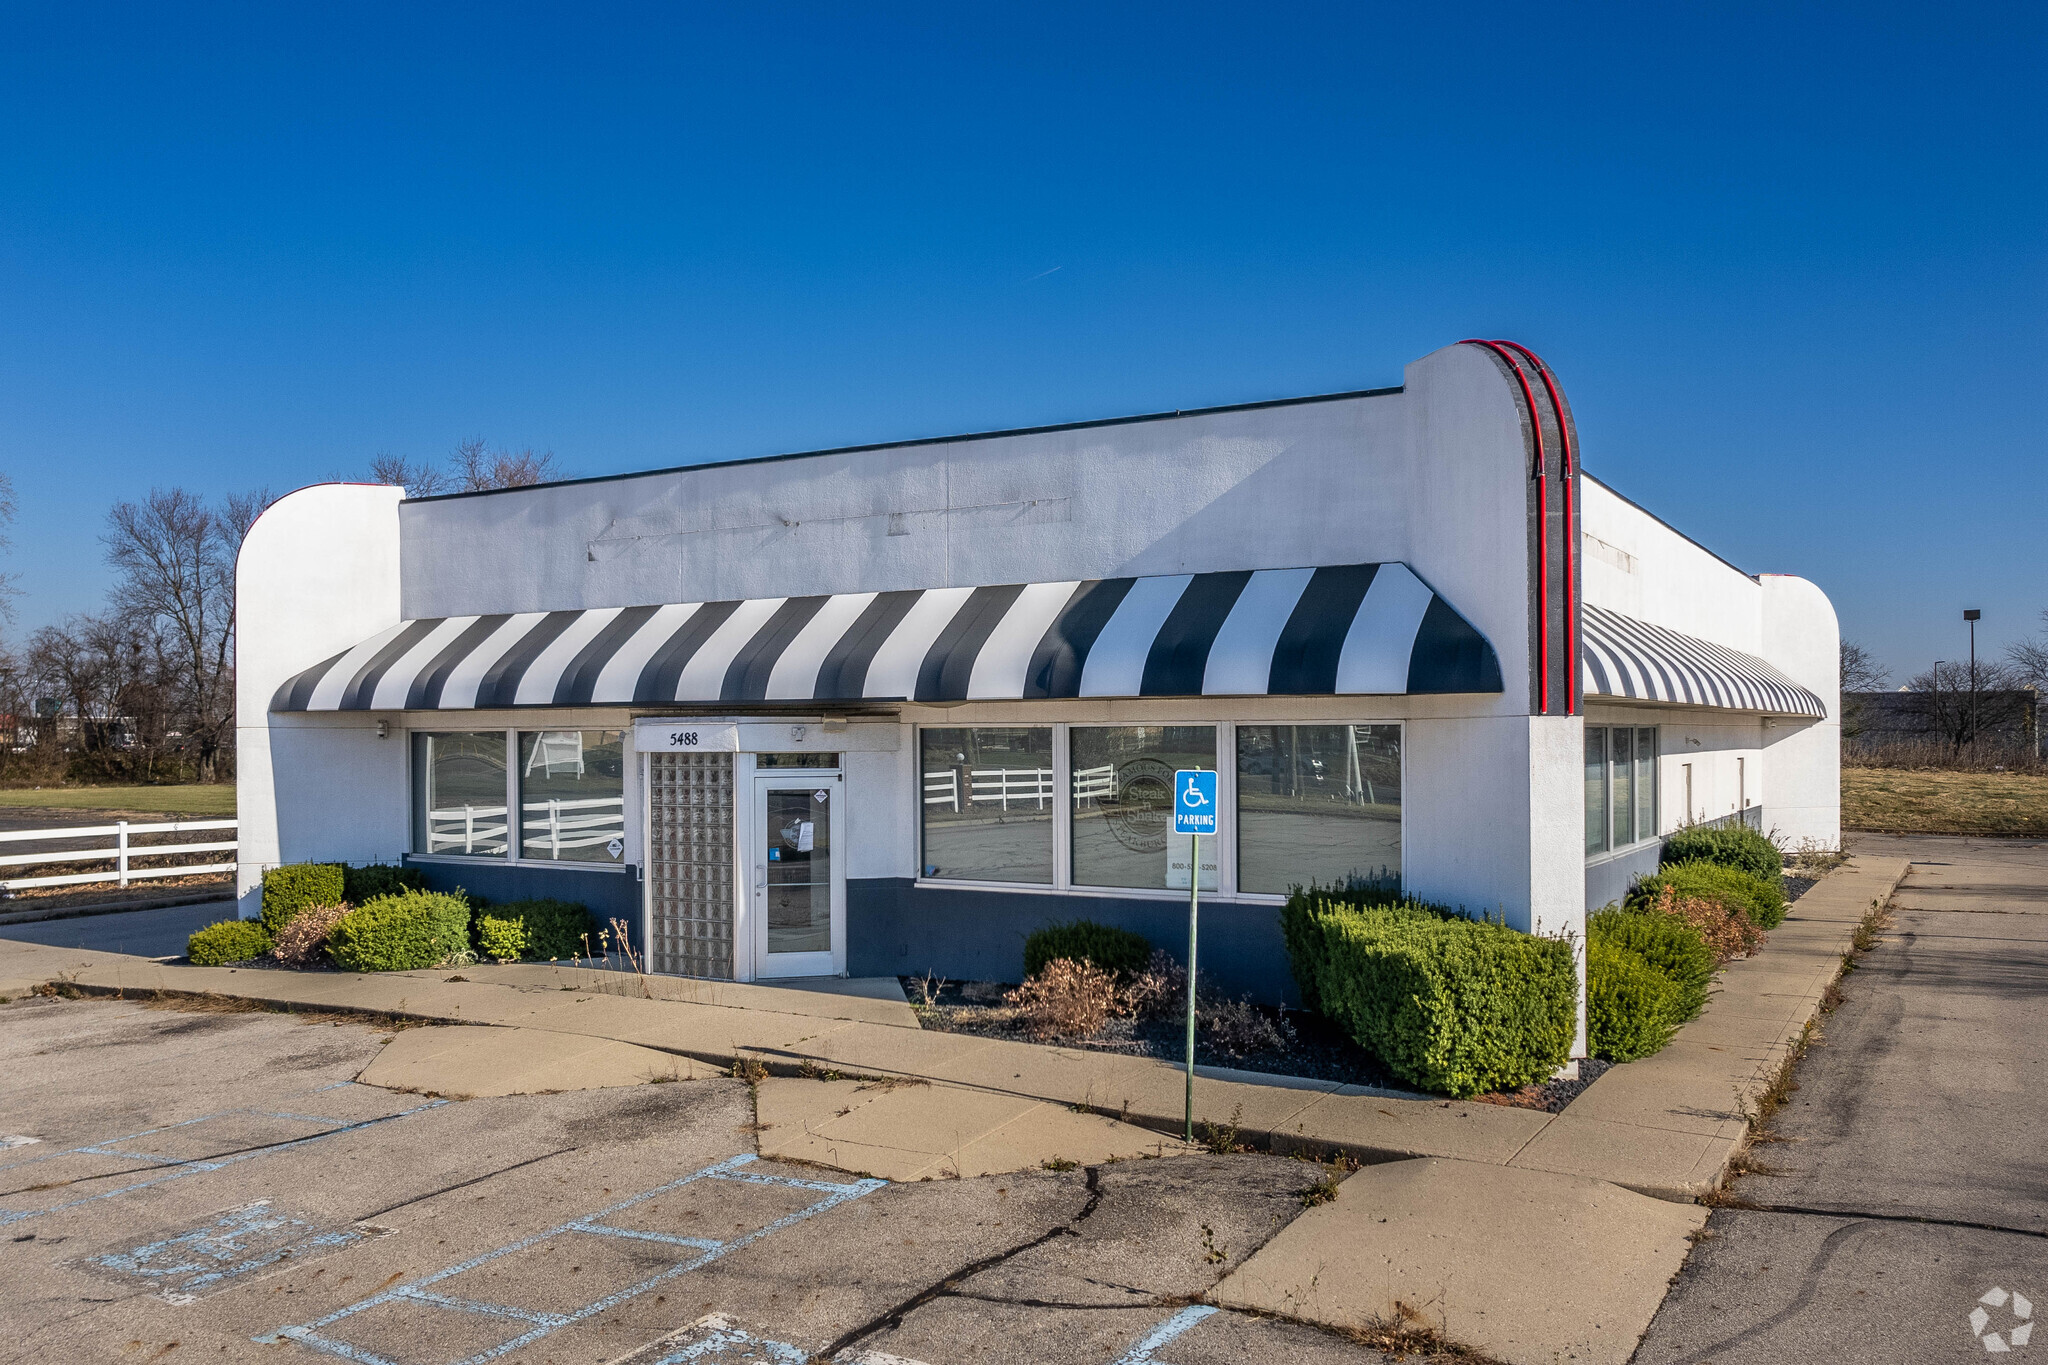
{"type": "Point", "coordinates": [1122, 796]}
{"type": "Point", "coordinates": [458, 783]}
{"type": "Point", "coordinates": [988, 803]}
{"type": "Point", "coordinates": [572, 796]}
{"type": "Point", "coordinates": [1318, 803]}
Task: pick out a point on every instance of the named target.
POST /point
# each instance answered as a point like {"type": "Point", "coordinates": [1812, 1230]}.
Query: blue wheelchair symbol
{"type": "Point", "coordinates": [1194, 801]}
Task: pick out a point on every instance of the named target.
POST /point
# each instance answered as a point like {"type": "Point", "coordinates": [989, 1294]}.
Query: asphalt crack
{"type": "Point", "coordinates": [892, 1318]}
{"type": "Point", "coordinates": [1747, 1206]}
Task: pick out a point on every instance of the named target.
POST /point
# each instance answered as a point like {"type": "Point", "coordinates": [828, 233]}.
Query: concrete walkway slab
{"type": "Point", "coordinates": [470, 1063]}
{"type": "Point", "coordinates": [1666, 1126]}
{"type": "Point", "coordinates": [935, 1132]}
{"type": "Point", "coordinates": [1527, 1267]}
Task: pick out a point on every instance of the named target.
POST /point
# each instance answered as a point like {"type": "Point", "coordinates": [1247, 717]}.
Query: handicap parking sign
{"type": "Point", "coordinates": [1194, 801]}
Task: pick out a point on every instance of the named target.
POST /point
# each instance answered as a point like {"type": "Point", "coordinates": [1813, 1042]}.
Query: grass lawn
{"type": "Point", "coordinates": [202, 801]}
{"type": "Point", "coordinates": [1913, 801]}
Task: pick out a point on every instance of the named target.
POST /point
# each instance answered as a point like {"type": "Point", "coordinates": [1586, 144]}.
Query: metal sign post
{"type": "Point", "coordinates": [1194, 814]}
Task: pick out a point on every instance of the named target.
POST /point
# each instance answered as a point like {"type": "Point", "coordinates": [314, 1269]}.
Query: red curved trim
{"type": "Point", "coordinates": [1571, 537]}
{"type": "Point", "coordinates": [1542, 523]}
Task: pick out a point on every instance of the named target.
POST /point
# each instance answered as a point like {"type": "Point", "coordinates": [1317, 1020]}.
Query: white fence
{"type": "Point", "coordinates": [1002, 787]}
{"type": "Point", "coordinates": [121, 852]}
{"type": "Point", "coordinates": [547, 828]}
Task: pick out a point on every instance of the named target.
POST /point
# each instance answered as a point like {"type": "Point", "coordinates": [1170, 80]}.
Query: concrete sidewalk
{"type": "Point", "coordinates": [1666, 1126]}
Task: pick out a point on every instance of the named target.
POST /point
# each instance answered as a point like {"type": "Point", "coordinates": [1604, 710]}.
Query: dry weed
{"type": "Point", "coordinates": [1066, 999]}
{"type": "Point", "coordinates": [300, 941]}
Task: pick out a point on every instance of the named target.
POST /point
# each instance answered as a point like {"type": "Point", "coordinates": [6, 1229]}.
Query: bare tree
{"type": "Point", "coordinates": [2029, 657]}
{"type": "Point", "coordinates": [419, 480]}
{"type": "Point", "coordinates": [175, 561]}
{"type": "Point", "coordinates": [473, 467]}
{"type": "Point", "coordinates": [478, 468]}
{"type": "Point", "coordinates": [1861, 672]}
{"type": "Point", "coordinates": [7, 512]}
{"type": "Point", "coordinates": [1959, 713]}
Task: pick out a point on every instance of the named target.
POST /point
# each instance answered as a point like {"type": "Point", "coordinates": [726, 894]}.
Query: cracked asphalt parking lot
{"type": "Point", "coordinates": [215, 1186]}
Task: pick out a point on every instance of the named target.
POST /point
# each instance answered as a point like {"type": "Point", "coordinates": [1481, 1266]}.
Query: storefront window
{"type": "Point", "coordinates": [1621, 762]}
{"type": "Point", "coordinates": [1596, 788]}
{"type": "Point", "coordinates": [1122, 801]}
{"type": "Point", "coordinates": [989, 803]}
{"type": "Point", "coordinates": [1646, 782]}
{"type": "Point", "coordinates": [1621, 786]}
{"type": "Point", "coordinates": [458, 794]}
{"type": "Point", "coordinates": [572, 796]}
{"type": "Point", "coordinates": [1318, 804]}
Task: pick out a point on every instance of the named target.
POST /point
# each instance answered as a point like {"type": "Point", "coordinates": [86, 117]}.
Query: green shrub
{"type": "Point", "coordinates": [291, 888]}
{"type": "Point", "coordinates": [1674, 948]}
{"type": "Point", "coordinates": [1761, 898]}
{"type": "Point", "coordinates": [1119, 952]}
{"type": "Point", "coordinates": [549, 930]}
{"type": "Point", "coordinates": [502, 940]}
{"type": "Point", "coordinates": [400, 933]}
{"type": "Point", "coordinates": [1451, 1005]}
{"type": "Point", "coordinates": [368, 882]}
{"type": "Point", "coordinates": [234, 940]}
{"type": "Point", "coordinates": [1733, 845]}
{"type": "Point", "coordinates": [1629, 1003]}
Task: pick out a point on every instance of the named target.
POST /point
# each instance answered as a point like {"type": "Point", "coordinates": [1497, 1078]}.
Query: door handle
{"type": "Point", "coordinates": [760, 880]}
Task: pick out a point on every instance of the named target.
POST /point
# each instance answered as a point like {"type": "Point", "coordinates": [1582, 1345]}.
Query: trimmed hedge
{"type": "Point", "coordinates": [400, 933]}
{"type": "Point", "coordinates": [1451, 1005]}
{"type": "Point", "coordinates": [1679, 952]}
{"type": "Point", "coordinates": [294, 886]}
{"type": "Point", "coordinates": [1733, 845]}
{"type": "Point", "coordinates": [1761, 898]}
{"type": "Point", "coordinates": [544, 930]}
{"type": "Point", "coordinates": [1119, 952]}
{"type": "Point", "coordinates": [234, 940]}
{"type": "Point", "coordinates": [366, 883]}
{"type": "Point", "coordinates": [1629, 1003]}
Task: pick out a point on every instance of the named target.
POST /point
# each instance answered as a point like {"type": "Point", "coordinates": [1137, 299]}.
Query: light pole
{"type": "Point", "coordinates": [1971, 615]}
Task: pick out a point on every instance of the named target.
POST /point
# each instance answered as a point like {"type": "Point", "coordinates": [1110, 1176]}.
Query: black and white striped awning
{"type": "Point", "coordinates": [1626, 658]}
{"type": "Point", "coordinates": [1356, 628]}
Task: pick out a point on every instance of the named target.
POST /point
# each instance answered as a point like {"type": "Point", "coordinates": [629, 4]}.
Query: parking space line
{"type": "Point", "coordinates": [178, 1170]}
{"type": "Point", "coordinates": [224, 1245]}
{"type": "Point", "coordinates": [487, 1310]}
{"type": "Point", "coordinates": [600, 1230]}
{"type": "Point", "coordinates": [310, 1334]}
{"type": "Point", "coordinates": [1165, 1332]}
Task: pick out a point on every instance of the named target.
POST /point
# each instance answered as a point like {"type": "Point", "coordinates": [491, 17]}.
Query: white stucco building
{"type": "Point", "coordinates": [886, 709]}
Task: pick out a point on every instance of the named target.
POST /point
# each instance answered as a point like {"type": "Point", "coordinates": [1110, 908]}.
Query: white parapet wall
{"type": "Point", "coordinates": [318, 574]}
{"type": "Point", "coordinates": [1804, 762]}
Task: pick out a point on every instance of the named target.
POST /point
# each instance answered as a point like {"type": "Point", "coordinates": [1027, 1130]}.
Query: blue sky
{"type": "Point", "coordinates": [1790, 262]}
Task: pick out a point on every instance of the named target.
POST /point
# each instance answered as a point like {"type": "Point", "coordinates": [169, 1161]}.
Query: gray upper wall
{"type": "Point", "coordinates": [1430, 474]}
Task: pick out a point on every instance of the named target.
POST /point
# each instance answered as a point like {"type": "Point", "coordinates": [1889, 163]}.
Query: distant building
{"type": "Point", "coordinates": [2003, 721]}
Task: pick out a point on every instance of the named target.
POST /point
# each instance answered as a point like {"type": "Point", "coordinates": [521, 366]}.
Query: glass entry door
{"type": "Point", "coordinates": [799, 891]}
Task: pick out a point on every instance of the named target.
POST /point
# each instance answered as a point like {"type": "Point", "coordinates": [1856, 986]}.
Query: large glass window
{"type": "Point", "coordinates": [1621, 785]}
{"type": "Point", "coordinates": [1318, 803]}
{"type": "Point", "coordinates": [458, 794]}
{"type": "Point", "coordinates": [1122, 798]}
{"type": "Point", "coordinates": [1646, 782]}
{"type": "Point", "coordinates": [1621, 755]}
{"type": "Point", "coordinates": [989, 803]}
{"type": "Point", "coordinates": [572, 796]}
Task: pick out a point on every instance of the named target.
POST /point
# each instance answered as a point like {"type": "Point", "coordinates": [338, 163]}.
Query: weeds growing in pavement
{"type": "Point", "coordinates": [1221, 1138]}
{"type": "Point", "coordinates": [749, 1069]}
{"type": "Point", "coordinates": [1059, 1163]}
{"type": "Point", "coordinates": [1323, 1189]}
